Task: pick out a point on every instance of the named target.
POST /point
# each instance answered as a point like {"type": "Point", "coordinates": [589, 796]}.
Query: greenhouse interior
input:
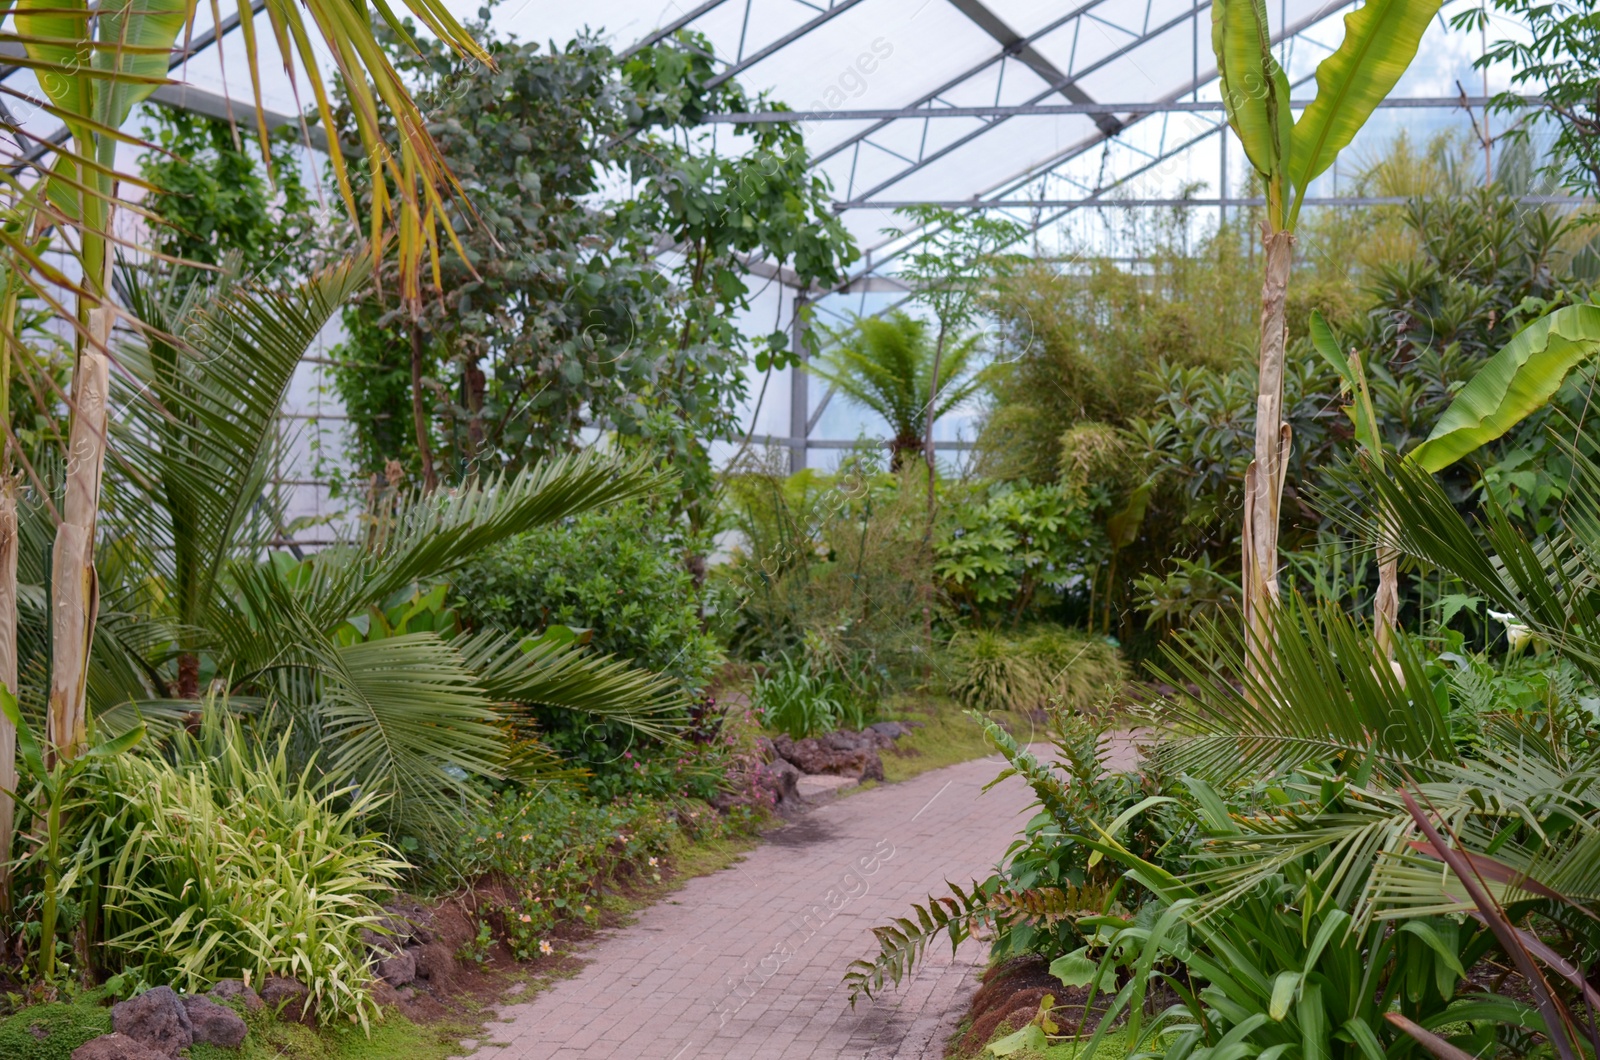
{"type": "Point", "coordinates": [800, 530]}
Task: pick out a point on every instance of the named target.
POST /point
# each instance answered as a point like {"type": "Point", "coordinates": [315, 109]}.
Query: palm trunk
{"type": "Point", "coordinates": [927, 536]}
{"type": "Point", "coordinates": [75, 597]}
{"type": "Point", "coordinates": [419, 415]}
{"type": "Point", "coordinates": [927, 436]}
{"type": "Point", "coordinates": [1263, 491]}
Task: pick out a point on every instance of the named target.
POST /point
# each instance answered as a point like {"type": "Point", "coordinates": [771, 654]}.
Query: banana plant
{"type": "Point", "coordinates": [1380, 40]}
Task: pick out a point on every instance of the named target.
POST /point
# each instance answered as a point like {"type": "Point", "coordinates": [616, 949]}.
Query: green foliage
{"type": "Point", "coordinates": [802, 699]}
{"type": "Point", "coordinates": [560, 315]}
{"type": "Point", "coordinates": [221, 861]}
{"type": "Point", "coordinates": [1009, 551]}
{"type": "Point", "coordinates": [1557, 59]}
{"type": "Point", "coordinates": [1043, 667]}
{"type": "Point", "coordinates": [837, 564]}
{"type": "Point", "coordinates": [1047, 883]}
{"type": "Point", "coordinates": [1380, 40]}
{"type": "Point", "coordinates": [1519, 380]}
{"type": "Point", "coordinates": [618, 572]}
{"type": "Point", "coordinates": [557, 851]}
{"type": "Point", "coordinates": [217, 199]}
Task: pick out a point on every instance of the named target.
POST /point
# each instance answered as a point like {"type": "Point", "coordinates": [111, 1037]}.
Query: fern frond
{"type": "Point", "coordinates": [902, 943]}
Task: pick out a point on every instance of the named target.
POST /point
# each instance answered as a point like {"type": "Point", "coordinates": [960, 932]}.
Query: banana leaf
{"type": "Point", "coordinates": [1380, 40]}
{"type": "Point", "coordinates": [1512, 384]}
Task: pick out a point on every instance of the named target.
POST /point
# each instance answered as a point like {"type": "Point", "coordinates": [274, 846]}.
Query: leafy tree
{"type": "Point", "coordinates": [572, 305]}
{"type": "Point", "coordinates": [952, 270]}
{"type": "Point", "coordinates": [886, 364]}
{"type": "Point", "coordinates": [216, 198]}
{"type": "Point", "coordinates": [1558, 60]}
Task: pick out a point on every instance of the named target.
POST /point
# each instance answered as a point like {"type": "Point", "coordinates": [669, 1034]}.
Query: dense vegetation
{"type": "Point", "coordinates": [1327, 542]}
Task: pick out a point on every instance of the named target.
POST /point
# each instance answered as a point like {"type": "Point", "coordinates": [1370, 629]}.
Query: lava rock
{"type": "Point", "coordinates": [783, 780]}
{"type": "Point", "coordinates": [892, 729]}
{"type": "Point", "coordinates": [238, 990]}
{"type": "Point", "coordinates": [156, 1018]}
{"type": "Point", "coordinates": [116, 1047]}
{"type": "Point", "coordinates": [812, 756]}
{"type": "Point", "coordinates": [214, 1024]}
{"type": "Point", "coordinates": [766, 749]}
{"type": "Point", "coordinates": [845, 740]}
{"type": "Point", "coordinates": [286, 996]}
{"type": "Point", "coordinates": [409, 923]}
{"type": "Point", "coordinates": [399, 969]}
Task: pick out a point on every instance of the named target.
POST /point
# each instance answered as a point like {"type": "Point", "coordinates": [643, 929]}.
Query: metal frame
{"type": "Point", "coordinates": [1145, 109]}
{"type": "Point", "coordinates": [1100, 200]}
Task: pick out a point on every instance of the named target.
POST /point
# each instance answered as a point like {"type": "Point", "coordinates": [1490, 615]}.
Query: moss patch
{"type": "Point", "coordinates": [395, 1036]}
{"type": "Point", "coordinates": [948, 735]}
{"type": "Point", "coordinates": [52, 1031]}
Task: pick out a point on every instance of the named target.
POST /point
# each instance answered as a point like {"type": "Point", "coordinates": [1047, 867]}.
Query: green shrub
{"type": "Point", "coordinates": [222, 863]}
{"type": "Point", "coordinates": [619, 573]}
{"type": "Point", "coordinates": [555, 849]}
{"type": "Point", "coordinates": [802, 700]}
{"type": "Point", "coordinates": [989, 673]}
{"type": "Point", "coordinates": [1048, 666]}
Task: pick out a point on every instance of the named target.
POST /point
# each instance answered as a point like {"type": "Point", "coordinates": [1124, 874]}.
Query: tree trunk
{"type": "Point", "coordinates": [188, 676]}
{"type": "Point", "coordinates": [473, 385]}
{"type": "Point", "coordinates": [8, 676]}
{"type": "Point", "coordinates": [74, 585]}
{"type": "Point", "coordinates": [419, 413]}
{"type": "Point", "coordinates": [1263, 492]}
{"type": "Point", "coordinates": [927, 436]}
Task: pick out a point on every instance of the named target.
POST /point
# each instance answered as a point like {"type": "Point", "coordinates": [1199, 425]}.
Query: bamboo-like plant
{"type": "Point", "coordinates": [1380, 40]}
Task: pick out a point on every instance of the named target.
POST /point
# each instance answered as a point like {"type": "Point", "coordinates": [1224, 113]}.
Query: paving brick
{"type": "Point", "coordinates": [746, 964]}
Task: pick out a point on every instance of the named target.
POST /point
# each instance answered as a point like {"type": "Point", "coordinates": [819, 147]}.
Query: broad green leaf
{"type": "Point", "coordinates": [1452, 604]}
{"type": "Point", "coordinates": [1074, 969]}
{"type": "Point", "coordinates": [147, 31]}
{"type": "Point", "coordinates": [1362, 1035]}
{"type": "Point", "coordinates": [1255, 90]}
{"type": "Point", "coordinates": [27, 745]}
{"type": "Point", "coordinates": [1029, 1037]}
{"type": "Point", "coordinates": [1512, 384]}
{"type": "Point", "coordinates": [1323, 339]}
{"type": "Point", "coordinates": [1380, 40]}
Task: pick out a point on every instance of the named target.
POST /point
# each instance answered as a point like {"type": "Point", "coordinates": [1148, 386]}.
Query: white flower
{"type": "Point", "coordinates": [1517, 634]}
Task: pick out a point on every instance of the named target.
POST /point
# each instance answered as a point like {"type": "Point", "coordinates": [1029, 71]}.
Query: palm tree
{"type": "Point", "coordinates": [887, 364]}
{"type": "Point", "coordinates": [93, 64]}
{"type": "Point", "coordinates": [186, 588]}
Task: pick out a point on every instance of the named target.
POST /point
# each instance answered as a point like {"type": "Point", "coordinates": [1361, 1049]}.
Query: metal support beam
{"type": "Point", "coordinates": [1014, 183]}
{"type": "Point", "coordinates": [657, 36]}
{"type": "Point", "coordinates": [773, 117]}
{"type": "Point", "coordinates": [966, 75]}
{"type": "Point", "coordinates": [1098, 64]}
{"type": "Point", "coordinates": [1029, 56]}
{"type": "Point", "coordinates": [1100, 200]}
{"type": "Point", "coordinates": [782, 42]}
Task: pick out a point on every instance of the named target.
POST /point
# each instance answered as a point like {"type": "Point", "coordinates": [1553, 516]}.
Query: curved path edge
{"type": "Point", "coordinates": [747, 963]}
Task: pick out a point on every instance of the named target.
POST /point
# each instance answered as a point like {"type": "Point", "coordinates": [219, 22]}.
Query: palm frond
{"type": "Point", "coordinates": [514, 670]}
{"type": "Point", "coordinates": [191, 459]}
{"type": "Point", "coordinates": [1324, 695]}
{"type": "Point", "coordinates": [431, 535]}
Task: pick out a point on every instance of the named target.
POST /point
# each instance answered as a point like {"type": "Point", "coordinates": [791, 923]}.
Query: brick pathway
{"type": "Point", "coordinates": [745, 964]}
